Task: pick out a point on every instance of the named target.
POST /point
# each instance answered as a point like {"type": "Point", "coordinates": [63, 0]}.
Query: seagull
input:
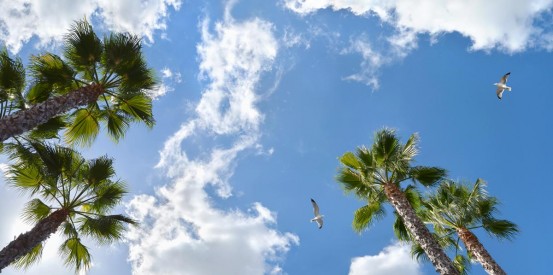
{"type": "Point", "coordinates": [501, 86]}
{"type": "Point", "coordinates": [318, 217]}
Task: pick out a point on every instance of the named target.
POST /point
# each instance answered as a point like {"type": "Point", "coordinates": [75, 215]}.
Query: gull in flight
{"type": "Point", "coordinates": [501, 86]}
{"type": "Point", "coordinates": [318, 217]}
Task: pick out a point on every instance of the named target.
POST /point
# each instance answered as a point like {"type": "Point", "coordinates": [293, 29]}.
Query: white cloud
{"type": "Point", "coordinates": [393, 259]}
{"type": "Point", "coordinates": [21, 20]}
{"type": "Point", "coordinates": [182, 232]}
{"type": "Point", "coordinates": [515, 28]}
{"type": "Point", "coordinates": [168, 80]}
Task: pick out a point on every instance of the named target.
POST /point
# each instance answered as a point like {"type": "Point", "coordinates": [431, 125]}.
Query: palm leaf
{"type": "Point", "coordinates": [427, 176]}
{"type": "Point", "coordinates": [51, 69]}
{"type": "Point", "coordinates": [367, 214]}
{"type": "Point", "coordinates": [138, 107]}
{"type": "Point", "coordinates": [350, 160]}
{"type": "Point", "coordinates": [99, 170]}
{"type": "Point", "coordinates": [83, 126]}
{"type": "Point", "coordinates": [502, 229]}
{"type": "Point", "coordinates": [30, 258]}
{"type": "Point", "coordinates": [117, 124]}
{"type": "Point", "coordinates": [48, 130]}
{"type": "Point", "coordinates": [35, 210]}
{"type": "Point", "coordinates": [400, 230]}
{"type": "Point", "coordinates": [107, 196]}
{"type": "Point", "coordinates": [83, 48]}
{"type": "Point", "coordinates": [76, 254]}
{"type": "Point", "coordinates": [105, 229]}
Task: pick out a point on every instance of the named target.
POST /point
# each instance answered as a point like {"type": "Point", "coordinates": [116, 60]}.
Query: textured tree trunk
{"type": "Point", "coordinates": [479, 252]}
{"type": "Point", "coordinates": [442, 263]}
{"type": "Point", "coordinates": [24, 243]}
{"type": "Point", "coordinates": [25, 120]}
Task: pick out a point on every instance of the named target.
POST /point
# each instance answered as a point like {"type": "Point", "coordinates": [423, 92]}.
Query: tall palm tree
{"type": "Point", "coordinates": [99, 81]}
{"type": "Point", "coordinates": [458, 209]}
{"type": "Point", "coordinates": [375, 174]}
{"type": "Point", "coordinates": [71, 196]}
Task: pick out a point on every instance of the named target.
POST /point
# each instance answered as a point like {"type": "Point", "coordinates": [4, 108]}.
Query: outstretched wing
{"type": "Point", "coordinates": [499, 92]}
{"type": "Point", "coordinates": [505, 77]}
{"type": "Point", "coordinates": [320, 223]}
{"type": "Point", "coordinates": [315, 209]}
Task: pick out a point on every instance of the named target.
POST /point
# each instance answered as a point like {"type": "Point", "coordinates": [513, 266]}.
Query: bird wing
{"type": "Point", "coordinates": [315, 208]}
{"type": "Point", "coordinates": [320, 223]}
{"type": "Point", "coordinates": [499, 92]}
{"type": "Point", "coordinates": [505, 77]}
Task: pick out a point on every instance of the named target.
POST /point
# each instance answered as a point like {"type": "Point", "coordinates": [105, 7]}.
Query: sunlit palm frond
{"type": "Point", "coordinates": [51, 70]}
{"type": "Point", "coordinates": [99, 170]}
{"type": "Point", "coordinates": [30, 258]}
{"type": "Point", "coordinates": [368, 214]}
{"type": "Point", "coordinates": [36, 210]}
{"type": "Point", "coordinates": [12, 82]}
{"type": "Point", "coordinates": [137, 106]}
{"type": "Point", "coordinates": [75, 254]}
{"type": "Point", "coordinates": [83, 126]}
{"type": "Point", "coordinates": [462, 264]}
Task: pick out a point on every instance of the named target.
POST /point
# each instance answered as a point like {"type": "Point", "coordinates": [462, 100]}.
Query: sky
{"type": "Point", "coordinates": [258, 99]}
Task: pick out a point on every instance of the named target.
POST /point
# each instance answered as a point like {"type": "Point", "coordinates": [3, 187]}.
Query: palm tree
{"type": "Point", "coordinates": [99, 81]}
{"type": "Point", "coordinates": [70, 195]}
{"type": "Point", "coordinates": [375, 175]}
{"type": "Point", "coordinates": [458, 209]}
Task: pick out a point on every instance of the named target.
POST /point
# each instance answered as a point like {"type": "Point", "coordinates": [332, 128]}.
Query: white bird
{"type": "Point", "coordinates": [318, 217]}
{"type": "Point", "coordinates": [501, 86]}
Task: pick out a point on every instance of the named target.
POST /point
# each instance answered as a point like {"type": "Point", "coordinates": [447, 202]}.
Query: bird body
{"type": "Point", "coordinates": [318, 217]}
{"type": "Point", "coordinates": [502, 85]}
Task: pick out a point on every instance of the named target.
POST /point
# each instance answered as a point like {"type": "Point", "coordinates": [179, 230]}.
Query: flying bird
{"type": "Point", "coordinates": [318, 217]}
{"type": "Point", "coordinates": [502, 85]}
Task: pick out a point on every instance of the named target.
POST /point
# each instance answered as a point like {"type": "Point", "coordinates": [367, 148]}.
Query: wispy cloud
{"type": "Point", "coordinates": [182, 232]}
{"type": "Point", "coordinates": [393, 259]}
{"type": "Point", "coordinates": [168, 81]}
{"type": "Point", "coordinates": [516, 28]}
{"type": "Point", "coordinates": [21, 20]}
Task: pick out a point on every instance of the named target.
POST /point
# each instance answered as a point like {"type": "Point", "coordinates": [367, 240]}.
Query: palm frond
{"type": "Point", "coordinates": [138, 107]}
{"type": "Point", "coordinates": [427, 176]}
{"type": "Point", "coordinates": [105, 229]}
{"type": "Point", "coordinates": [410, 149]}
{"type": "Point", "coordinates": [48, 130]}
{"type": "Point", "coordinates": [83, 126]}
{"type": "Point", "coordinates": [462, 264]}
{"type": "Point", "coordinates": [30, 258]}
{"type": "Point", "coordinates": [107, 196]}
{"type": "Point", "coordinates": [76, 254]}
{"type": "Point", "coordinates": [51, 69]}
{"type": "Point", "coordinates": [400, 230]}
{"type": "Point", "coordinates": [367, 215]}
{"type": "Point", "coordinates": [39, 92]}
{"type": "Point", "coordinates": [117, 124]}
{"type": "Point", "coordinates": [502, 229]}
{"type": "Point", "coordinates": [35, 210]}
{"type": "Point", "coordinates": [83, 48]}
{"type": "Point", "coordinates": [99, 170]}
{"type": "Point", "coordinates": [385, 147]}
{"type": "Point", "coordinates": [350, 160]}
{"type": "Point", "coordinates": [25, 178]}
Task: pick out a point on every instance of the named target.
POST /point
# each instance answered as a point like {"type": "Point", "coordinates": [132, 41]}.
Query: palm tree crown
{"type": "Point", "coordinates": [70, 195]}
{"type": "Point", "coordinates": [374, 174]}
{"type": "Point", "coordinates": [100, 81]}
{"type": "Point", "coordinates": [457, 209]}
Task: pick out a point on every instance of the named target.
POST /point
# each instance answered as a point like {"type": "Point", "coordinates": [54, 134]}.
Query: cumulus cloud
{"type": "Point", "coordinates": [48, 21]}
{"type": "Point", "coordinates": [182, 232]}
{"type": "Point", "coordinates": [393, 259]}
{"type": "Point", "coordinates": [516, 28]}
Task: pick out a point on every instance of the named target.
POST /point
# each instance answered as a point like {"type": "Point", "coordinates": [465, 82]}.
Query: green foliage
{"type": "Point", "coordinates": [36, 210]}
{"type": "Point", "coordinates": [387, 161]}
{"type": "Point", "coordinates": [60, 178]}
{"type": "Point", "coordinates": [76, 254]}
{"type": "Point", "coordinates": [30, 258]}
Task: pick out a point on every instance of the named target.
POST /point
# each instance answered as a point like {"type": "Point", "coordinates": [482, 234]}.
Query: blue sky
{"type": "Point", "coordinates": [258, 99]}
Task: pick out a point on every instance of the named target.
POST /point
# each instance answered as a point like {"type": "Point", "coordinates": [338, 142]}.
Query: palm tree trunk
{"type": "Point", "coordinates": [480, 253]}
{"type": "Point", "coordinates": [27, 119]}
{"type": "Point", "coordinates": [25, 242]}
{"type": "Point", "coordinates": [421, 234]}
